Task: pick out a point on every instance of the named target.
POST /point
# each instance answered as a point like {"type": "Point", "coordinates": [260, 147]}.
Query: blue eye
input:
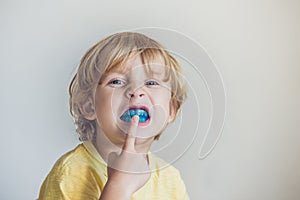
{"type": "Point", "coordinates": [116, 82]}
{"type": "Point", "coordinates": [151, 83]}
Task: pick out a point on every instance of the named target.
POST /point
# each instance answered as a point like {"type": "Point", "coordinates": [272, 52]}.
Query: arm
{"type": "Point", "coordinates": [127, 172]}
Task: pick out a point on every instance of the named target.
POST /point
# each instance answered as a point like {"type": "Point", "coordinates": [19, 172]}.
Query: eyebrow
{"type": "Point", "coordinates": [121, 71]}
{"type": "Point", "coordinates": [107, 74]}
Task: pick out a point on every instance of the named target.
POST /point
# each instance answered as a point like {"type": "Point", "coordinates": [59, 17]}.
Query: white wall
{"type": "Point", "coordinates": [255, 45]}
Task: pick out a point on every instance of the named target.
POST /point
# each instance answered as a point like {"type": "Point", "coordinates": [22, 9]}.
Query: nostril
{"type": "Point", "coordinates": [132, 95]}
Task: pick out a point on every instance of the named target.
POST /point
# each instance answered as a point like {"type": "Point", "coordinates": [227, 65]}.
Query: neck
{"type": "Point", "coordinates": [104, 146]}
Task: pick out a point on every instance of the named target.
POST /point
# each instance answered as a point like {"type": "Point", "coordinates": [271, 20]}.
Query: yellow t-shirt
{"type": "Point", "coordinates": [82, 174]}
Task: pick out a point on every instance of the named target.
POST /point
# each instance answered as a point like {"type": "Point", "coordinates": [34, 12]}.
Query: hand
{"type": "Point", "coordinates": [128, 171]}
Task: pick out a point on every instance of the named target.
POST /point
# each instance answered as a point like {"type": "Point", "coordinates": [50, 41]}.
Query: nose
{"type": "Point", "coordinates": [136, 93]}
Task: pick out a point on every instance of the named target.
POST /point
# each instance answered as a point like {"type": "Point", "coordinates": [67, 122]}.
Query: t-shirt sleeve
{"type": "Point", "coordinates": [74, 182]}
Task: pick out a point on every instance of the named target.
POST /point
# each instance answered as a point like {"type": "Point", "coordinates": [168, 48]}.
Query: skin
{"type": "Point", "coordinates": [119, 147]}
{"type": "Point", "coordinates": [117, 187]}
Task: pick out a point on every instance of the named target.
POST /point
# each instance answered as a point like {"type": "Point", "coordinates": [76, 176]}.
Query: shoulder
{"type": "Point", "coordinates": [77, 163]}
{"type": "Point", "coordinates": [168, 177]}
{"type": "Point", "coordinates": [162, 168]}
{"type": "Point", "coordinates": [78, 154]}
{"type": "Point", "coordinates": [73, 172]}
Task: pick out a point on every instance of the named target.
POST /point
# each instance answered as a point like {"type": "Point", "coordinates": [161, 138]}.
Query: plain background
{"type": "Point", "coordinates": [254, 43]}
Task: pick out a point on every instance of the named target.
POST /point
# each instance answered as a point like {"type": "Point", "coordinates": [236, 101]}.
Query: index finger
{"type": "Point", "coordinates": [131, 135]}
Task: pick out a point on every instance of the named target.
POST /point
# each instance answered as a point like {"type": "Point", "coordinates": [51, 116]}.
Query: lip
{"type": "Point", "coordinates": [145, 123]}
{"type": "Point", "coordinates": [137, 106]}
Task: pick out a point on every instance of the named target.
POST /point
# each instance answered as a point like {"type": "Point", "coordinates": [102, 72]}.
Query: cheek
{"type": "Point", "coordinates": [162, 98]}
{"type": "Point", "coordinates": [103, 106]}
{"type": "Point", "coordinates": [108, 104]}
{"type": "Point", "coordinates": [116, 97]}
{"type": "Point", "coordinates": [102, 101]}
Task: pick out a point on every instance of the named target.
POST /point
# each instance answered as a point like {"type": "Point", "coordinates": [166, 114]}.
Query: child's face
{"type": "Point", "coordinates": [121, 95]}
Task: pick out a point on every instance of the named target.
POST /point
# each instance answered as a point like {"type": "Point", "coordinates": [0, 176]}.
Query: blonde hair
{"type": "Point", "coordinates": [108, 53]}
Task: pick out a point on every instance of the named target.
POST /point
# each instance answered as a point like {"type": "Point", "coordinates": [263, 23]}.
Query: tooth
{"type": "Point", "coordinates": [131, 112]}
{"type": "Point", "coordinates": [142, 119]}
{"type": "Point", "coordinates": [125, 117]}
{"type": "Point", "coordinates": [139, 112]}
{"type": "Point", "coordinates": [146, 114]}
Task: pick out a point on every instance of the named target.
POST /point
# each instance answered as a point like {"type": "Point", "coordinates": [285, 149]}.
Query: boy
{"type": "Point", "coordinates": [125, 92]}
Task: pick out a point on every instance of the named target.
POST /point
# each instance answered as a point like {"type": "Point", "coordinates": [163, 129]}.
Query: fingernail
{"type": "Point", "coordinates": [135, 118]}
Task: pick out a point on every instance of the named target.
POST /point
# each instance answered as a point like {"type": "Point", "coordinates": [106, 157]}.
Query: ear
{"type": "Point", "coordinates": [88, 109]}
{"type": "Point", "coordinates": [172, 110]}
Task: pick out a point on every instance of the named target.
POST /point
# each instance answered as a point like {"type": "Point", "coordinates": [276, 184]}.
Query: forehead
{"type": "Point", "coordinates": [135, 64]}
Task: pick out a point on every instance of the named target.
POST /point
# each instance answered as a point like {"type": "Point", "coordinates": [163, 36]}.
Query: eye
{"type": "Point", "coordinates": [116, 83]}
{"type": "Point", "coordinates": [151, 83]}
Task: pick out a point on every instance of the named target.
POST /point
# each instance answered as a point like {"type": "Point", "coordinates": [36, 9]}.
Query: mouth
{"type": "Point", "coordinates": [141, 111]}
